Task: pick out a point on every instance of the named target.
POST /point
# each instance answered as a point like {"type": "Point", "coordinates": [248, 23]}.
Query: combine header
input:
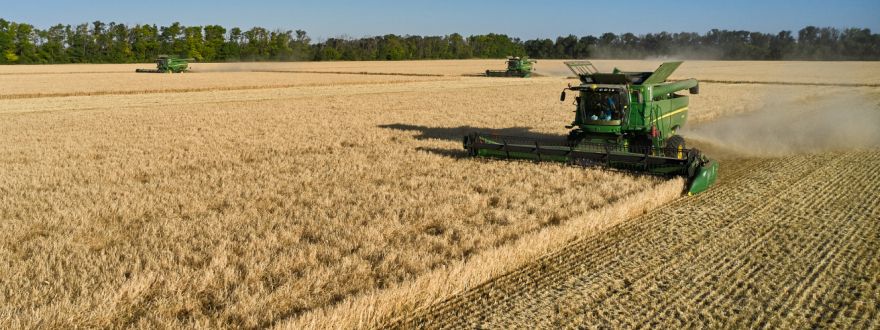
{"type": "Point", "coordinates": [623, 120]}
{"type": "Point", "coordinates": [516, 67]}
{"type": "Point", "coordinates": [168, 64]}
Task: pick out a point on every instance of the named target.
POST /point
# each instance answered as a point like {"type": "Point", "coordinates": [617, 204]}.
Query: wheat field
{"type": "Point", "coordinates": [261, 195]}
{"type": "Point", "coordinates": [778, 244]}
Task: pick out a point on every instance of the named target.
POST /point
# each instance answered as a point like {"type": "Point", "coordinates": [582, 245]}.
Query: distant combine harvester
{"type": "Point", "coordinates": [169, 64]}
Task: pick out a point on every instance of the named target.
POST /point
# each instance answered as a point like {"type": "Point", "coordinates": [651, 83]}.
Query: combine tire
{"type": "Point", "coordinates": [674, 147]}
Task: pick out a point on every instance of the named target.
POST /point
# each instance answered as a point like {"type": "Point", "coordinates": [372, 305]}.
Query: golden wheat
{"type": "Point", "coordinates": [249, 207]}
{"type": "Point", "coordinates": [732, 71]}
{"type": "Point", "coordinates": [786, 242]}
{"type": "Point", "coordinates": [254, 199]}
{"type": "Point", "coordinates": [55, 85]}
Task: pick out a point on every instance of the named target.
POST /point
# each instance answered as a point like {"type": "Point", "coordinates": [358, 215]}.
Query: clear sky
{"type": "Point", "coordinates": [524, 19]}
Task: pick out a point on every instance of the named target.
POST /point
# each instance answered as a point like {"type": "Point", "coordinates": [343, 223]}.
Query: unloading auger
{"type": "Point", "coordinates": [623, 120]}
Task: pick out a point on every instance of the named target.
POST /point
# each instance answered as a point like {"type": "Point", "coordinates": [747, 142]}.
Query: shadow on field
{"type": "Point", "coordinates": [457, 134]}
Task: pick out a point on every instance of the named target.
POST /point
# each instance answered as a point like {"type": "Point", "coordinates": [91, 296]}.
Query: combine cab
{"type": "Point", "coordinates": [168, 64]}
{"type": "Point", "coordinates": [516, 67]}
{"type": "Point", "coordinates": [623, 120]}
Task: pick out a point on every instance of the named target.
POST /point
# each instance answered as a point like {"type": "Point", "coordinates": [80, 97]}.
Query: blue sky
{"type": "Point", "coordinates": [524, 19]}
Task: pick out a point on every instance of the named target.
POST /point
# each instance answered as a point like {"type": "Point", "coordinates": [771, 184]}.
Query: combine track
{"type": "Point", "coordinates": [790, 242]}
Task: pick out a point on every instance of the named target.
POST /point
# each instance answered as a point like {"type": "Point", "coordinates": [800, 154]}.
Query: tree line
{"type": "Point", "coordinates": [99, 42]}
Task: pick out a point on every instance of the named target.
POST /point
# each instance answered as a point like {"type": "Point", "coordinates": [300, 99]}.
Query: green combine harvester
{"type": "Point", "coordinates": [516, 67]}
{"type": "Point", "coordinates": [623, 120]}
{"type": "Point", "coordinates": [169, 64]}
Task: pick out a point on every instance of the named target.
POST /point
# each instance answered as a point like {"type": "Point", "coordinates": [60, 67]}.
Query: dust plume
{"type": "Point", "coordinates": [807, 124]}
{"type": "Point", "coordinates": [701, 54]}
{"type": "Point", "coordinates": [221, 67]}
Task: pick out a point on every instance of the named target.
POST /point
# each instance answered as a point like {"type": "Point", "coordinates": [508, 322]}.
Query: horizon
{"type": "Point", "coordinates": [435, 19]}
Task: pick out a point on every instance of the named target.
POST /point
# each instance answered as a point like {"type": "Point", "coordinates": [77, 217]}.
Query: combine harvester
{"type": "Point", "coordinates": [623, 120]}
{"type": "Point", "coordinates": [516, 67]}
{"type": "Point", "coordinates": [169, 64]}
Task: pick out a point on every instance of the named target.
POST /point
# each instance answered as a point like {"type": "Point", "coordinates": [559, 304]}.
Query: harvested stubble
{"type": "Point", "coordinates": [789, 242]}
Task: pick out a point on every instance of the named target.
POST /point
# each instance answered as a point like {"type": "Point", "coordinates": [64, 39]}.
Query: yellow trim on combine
{"type": "Point", "coordinates": [670, 114]}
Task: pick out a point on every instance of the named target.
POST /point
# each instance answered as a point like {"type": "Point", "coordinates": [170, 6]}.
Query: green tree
{"type": "Point", "coordinates": [215, 38]}
{"type": "Point", "coordinates": [232, 47]}
{"type": "Point", "coordinates": [195, 43]}
{"type": "Point", "coordinates": [25, 49]}
{"type": "Point", "coordinates": [171, 40]}
{"type": "Point", "coordinates": [459, 47]}
{"type": "Point", "coordinates": [7, 46]}
{"type": "Point", "coordinates": [257, 47]}
{"type": "Point", "coordinates": [145, 42]}
{"type": "Point", "coordinates": [495, 46]}
{"type": "Point", "coordinates": [585, 46]}
{"type": "Point", "coordinates": [392, 48]}
{"type": "Point", "coordinates": [97, 42]}
{"type": "Point", "coordinates": [279, 45]}
{"type": "Point", "coordinates": [102, 42]}
{"type": "Point", "coordinates": [858, 44]}
{"type": "Point", "coordinates": [781, 45]}
{"type": "Point", "coordinates": [120, 44]}
{"type": "Point", "coordinates": [80, 44]}
{"type": "Point", "coordinates": [52, 48]}
{"type": "Point", "coordinates": [566, 47]}
{"type": "Point", "coordinates": [328, 54]}
{"type": "Point", "coordinates": [540, 48]}
{"type": "Point", "coordinates": [300, 46]}
{"type": "Point", "coordinates": [607, 45]}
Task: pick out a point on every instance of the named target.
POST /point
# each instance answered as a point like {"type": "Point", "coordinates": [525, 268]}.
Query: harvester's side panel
{"type": "Point", "coordinates": [670, 114]}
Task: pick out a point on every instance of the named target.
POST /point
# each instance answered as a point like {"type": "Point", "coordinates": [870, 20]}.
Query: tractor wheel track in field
{"type": "Point", "coordinates": [779, 242]}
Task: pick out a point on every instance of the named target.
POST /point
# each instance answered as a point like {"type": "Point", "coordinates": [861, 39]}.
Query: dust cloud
{"type": "Point", "coordinates": [706, 54]}
{"type": "Point", "coordinates": [837, 122]}
{"type": "Point", "coordinates": [231, 67]}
